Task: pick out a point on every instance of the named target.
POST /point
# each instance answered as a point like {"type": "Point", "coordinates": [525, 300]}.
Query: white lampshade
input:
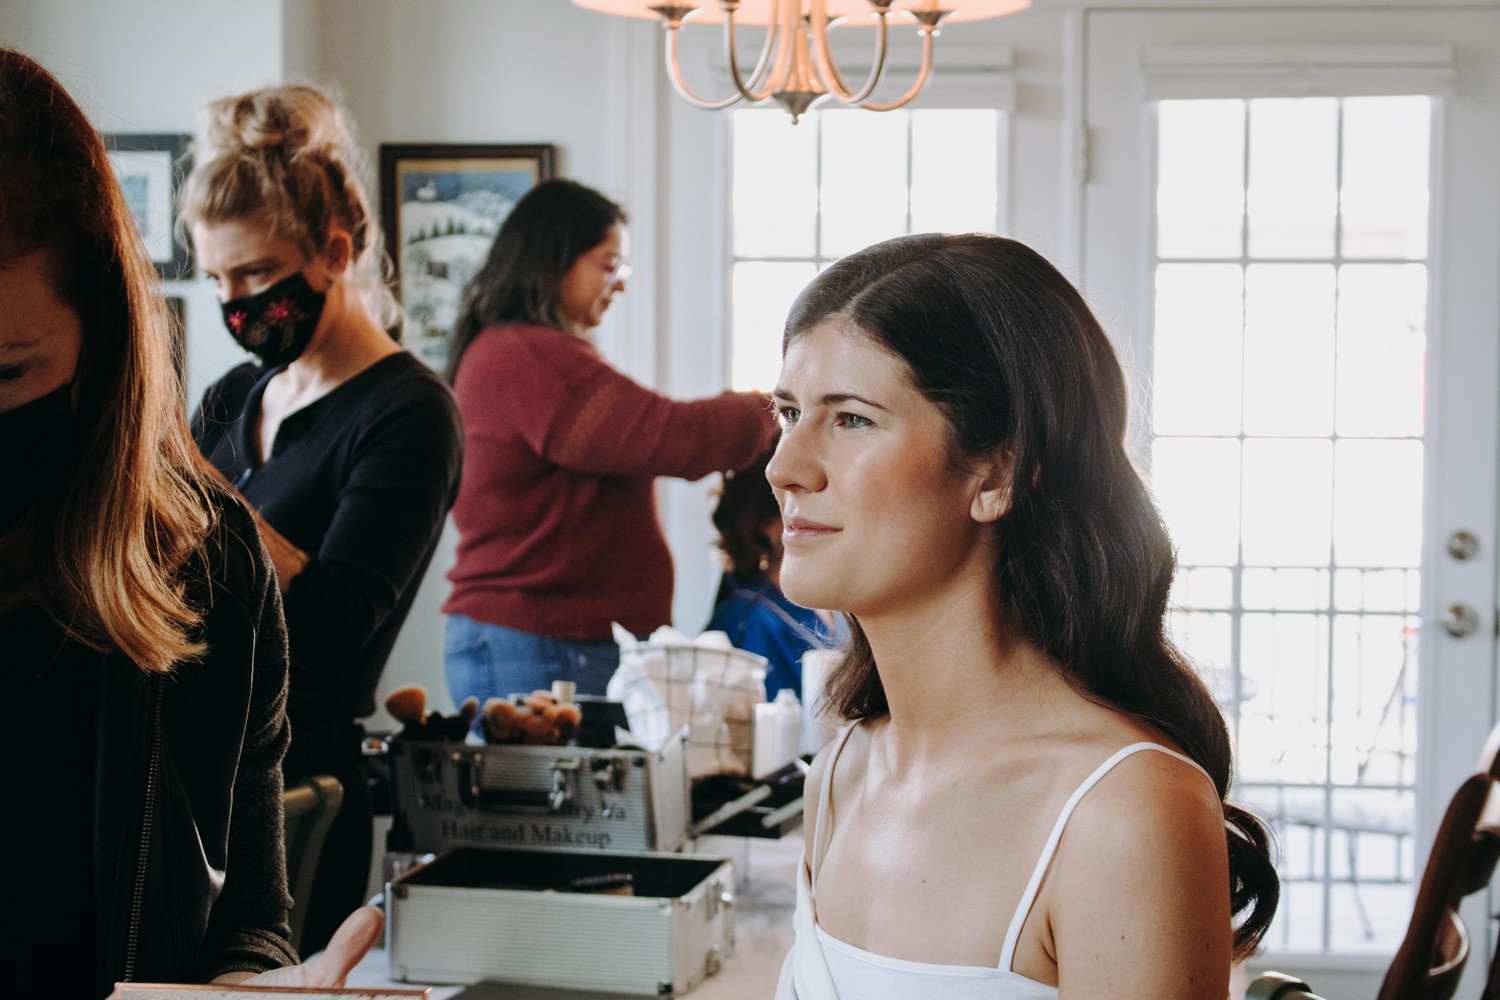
{"type": "Point", "coordinates": [759, 11]}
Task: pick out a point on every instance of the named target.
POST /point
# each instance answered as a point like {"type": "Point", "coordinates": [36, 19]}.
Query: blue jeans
{"type": "Point", "coordinates": [491, 661]}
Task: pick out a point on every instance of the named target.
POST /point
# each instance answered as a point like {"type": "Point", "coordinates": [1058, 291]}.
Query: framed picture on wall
{"type": "Point", "coordinates": [441, 206]}
{"type": "Point", "coordinates": [149, 167]}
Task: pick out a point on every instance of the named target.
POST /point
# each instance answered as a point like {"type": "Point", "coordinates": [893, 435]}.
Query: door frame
{"type": "Point", "coordinates": [1113, 192]}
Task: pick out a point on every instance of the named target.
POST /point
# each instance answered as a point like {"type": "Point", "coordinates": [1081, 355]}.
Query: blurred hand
{"type": "Point", "coordinates": [329, 967]}
{"type": "Point", "coordinates": [286, 557]}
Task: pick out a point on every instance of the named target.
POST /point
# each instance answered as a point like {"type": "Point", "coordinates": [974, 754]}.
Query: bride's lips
{"type": "Point", "coordinates": [798, 529]}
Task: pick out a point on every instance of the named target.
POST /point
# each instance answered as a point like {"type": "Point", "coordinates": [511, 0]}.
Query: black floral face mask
{"type": "Point", "coordinates": [277, 324]}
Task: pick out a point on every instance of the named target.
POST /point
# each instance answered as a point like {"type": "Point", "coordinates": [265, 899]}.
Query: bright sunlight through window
{"type": "Point", "coordinates": [807, 194]}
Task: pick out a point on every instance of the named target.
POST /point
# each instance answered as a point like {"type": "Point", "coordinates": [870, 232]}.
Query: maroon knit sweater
{"type": "Point", "coordinates": [556, 512]}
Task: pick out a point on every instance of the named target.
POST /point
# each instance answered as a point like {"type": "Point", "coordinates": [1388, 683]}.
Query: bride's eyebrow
{"type": "Point", "coordinates": [829, 398]}
{"type": "Point", "coordinates": [835, 398]}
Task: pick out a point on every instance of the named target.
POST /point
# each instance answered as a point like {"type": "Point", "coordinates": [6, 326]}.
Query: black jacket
{"type": "Point", "coordinates": [190, 878]}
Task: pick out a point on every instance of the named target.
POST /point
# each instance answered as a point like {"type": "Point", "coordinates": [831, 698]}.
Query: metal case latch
{"type": "Point", "coordinates": [564, 782]}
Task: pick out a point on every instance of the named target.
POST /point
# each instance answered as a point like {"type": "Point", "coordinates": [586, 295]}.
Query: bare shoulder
{"type": "Point", "coordinates": [1140, 882]}
{"type": "Point", "coordinates": [1148, 804]}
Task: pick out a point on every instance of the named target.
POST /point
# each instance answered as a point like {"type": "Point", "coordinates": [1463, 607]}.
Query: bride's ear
{"type": "Point", "coordinates": [991, 499]}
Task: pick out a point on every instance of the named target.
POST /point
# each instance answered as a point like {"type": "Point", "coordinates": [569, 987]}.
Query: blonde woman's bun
{"type": "Point", "coordinates": [286, 158]}
{"type": "Point", "coordinates": [287, 121]}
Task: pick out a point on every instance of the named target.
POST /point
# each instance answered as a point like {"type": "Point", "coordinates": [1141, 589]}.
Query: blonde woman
{"type": "Point", "coordinates": [346, 447]}
{"type": "Point", "coordinates": [142, 632]}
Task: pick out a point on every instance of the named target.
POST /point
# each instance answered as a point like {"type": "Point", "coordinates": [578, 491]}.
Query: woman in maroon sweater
{"type": "Point", "coordinates": [558, 534]}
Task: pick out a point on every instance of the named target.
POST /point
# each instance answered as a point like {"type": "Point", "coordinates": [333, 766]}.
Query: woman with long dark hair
{"type": "Point", "coordinates": [142, 633]}
{"type": "Point", "coordinates": [1029, 800]}
{"type": "Point", "coordinates": [558, 534]}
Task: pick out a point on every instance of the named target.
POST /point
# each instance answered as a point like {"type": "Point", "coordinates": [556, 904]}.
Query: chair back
{"type": "Point", "coordinates": [311, 805]}
{"type": "Point", "coordinates": [1276, 986]}
{"type": "Point", "coordinates": [1492, 982]}
{"type": "Point", "coordinates": [1431, 958]}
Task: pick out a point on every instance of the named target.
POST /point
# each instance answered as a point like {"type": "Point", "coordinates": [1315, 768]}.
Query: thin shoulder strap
{"type": "Point", "coordinates": [823, 825]}
{"type": "Point", "coordinates": [1028, 898]}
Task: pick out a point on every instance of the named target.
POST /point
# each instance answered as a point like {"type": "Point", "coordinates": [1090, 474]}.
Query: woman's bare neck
{"type": "Point", "coordinates": [953, 675]}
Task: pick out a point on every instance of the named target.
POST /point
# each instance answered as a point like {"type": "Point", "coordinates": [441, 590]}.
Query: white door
{"type": "Point", "coordinates": [1291, 221]}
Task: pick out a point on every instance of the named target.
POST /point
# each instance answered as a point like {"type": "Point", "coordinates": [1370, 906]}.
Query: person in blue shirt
{"type": "Point", "coordinates": [750, 607]}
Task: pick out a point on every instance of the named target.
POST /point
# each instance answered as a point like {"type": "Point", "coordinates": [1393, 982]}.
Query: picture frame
{"type": "Point", "coordinates": [441, 205]}
{"type": "Point", "coordinates": [150, 167]}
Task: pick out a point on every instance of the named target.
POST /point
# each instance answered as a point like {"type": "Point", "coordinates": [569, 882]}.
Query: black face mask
{"type": "Point", "coordinates": [33, 437]}
{"type": "Point", "coordinates": [277, 324]}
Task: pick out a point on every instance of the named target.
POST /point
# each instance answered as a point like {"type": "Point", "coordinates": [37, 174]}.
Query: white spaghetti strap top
{"type": "Point", "coordinates": [859, 973]}
{"type": "Point", "coordinates": [823, 829]}
{"type": "Point", "coordinates": [1034, 885]}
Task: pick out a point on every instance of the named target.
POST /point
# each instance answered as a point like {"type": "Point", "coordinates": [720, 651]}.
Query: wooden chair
{"type": "Point", "coordinates": [311, 805]}
{"type": "Point", "coordinates": [1492, 982]}
{"type": "Point", "coordinates": [1275, 986]}
{"type": "Point", "coordinates": [1431, 959]}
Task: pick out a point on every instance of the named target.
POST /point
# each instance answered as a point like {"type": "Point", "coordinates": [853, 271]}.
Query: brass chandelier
{"type": "Point", "coordinates": [796, 66]}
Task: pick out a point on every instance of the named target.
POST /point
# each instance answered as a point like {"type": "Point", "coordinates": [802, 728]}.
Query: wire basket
{"type": "Point", "coordinates": [712, 691]}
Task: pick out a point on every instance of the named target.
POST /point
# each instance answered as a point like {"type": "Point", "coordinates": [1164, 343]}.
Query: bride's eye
{"type": "Point", "coordinates": [854, 421]}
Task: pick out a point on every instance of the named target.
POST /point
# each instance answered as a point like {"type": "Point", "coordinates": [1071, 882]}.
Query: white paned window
{"type": "Point", "coordinates": [840, 180]}
{"type": "Point", "coordinates": [1289, 355]}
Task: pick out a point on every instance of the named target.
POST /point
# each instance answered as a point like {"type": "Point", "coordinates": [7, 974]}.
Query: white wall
{"type": "Point", "coordinates": [518, 71]}
{"type": "Point", "coordinates": [148, 66]}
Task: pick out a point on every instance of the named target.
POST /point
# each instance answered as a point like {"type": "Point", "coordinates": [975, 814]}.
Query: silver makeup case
{"type": "Point", "coordinates": [564, 798]}
{"type": "Point", "coordinates": [515, 916]}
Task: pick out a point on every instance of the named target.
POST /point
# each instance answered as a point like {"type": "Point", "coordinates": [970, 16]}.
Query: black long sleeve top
{"type": "Point", "coordinates": [156, 845]}
{"type": "Point", "coordinates": [360, 479]}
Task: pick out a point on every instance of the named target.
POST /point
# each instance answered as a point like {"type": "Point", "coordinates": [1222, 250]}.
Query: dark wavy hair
{"type": "Point", "coordinates": [552, 225]}
{"type": "Point", "coordinates": [1007, 349]}
{"type": "Point", "coordinates": [745, 505]}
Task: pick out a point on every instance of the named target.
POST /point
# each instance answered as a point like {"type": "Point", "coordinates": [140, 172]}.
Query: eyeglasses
{"type": "Point", "coordinates": [613, 265]}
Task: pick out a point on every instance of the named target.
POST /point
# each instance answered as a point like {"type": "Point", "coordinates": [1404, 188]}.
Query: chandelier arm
{"type": "Point", "coordinates": [750, 90]}
{"type": "Point", "coordinates": [916, 88]}
{"type": "Point", "coordinates": [828, 70]}
{"type": "Point", "coordinates": [674, 73]}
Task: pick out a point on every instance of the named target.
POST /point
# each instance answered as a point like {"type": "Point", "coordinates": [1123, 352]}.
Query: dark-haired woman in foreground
{"type": "Point", "coordinates": [141, 631]}
{"type": "Point", "coordinates": [558, 534]}
{"type": "Point", "coordinates": [1030, 799]}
